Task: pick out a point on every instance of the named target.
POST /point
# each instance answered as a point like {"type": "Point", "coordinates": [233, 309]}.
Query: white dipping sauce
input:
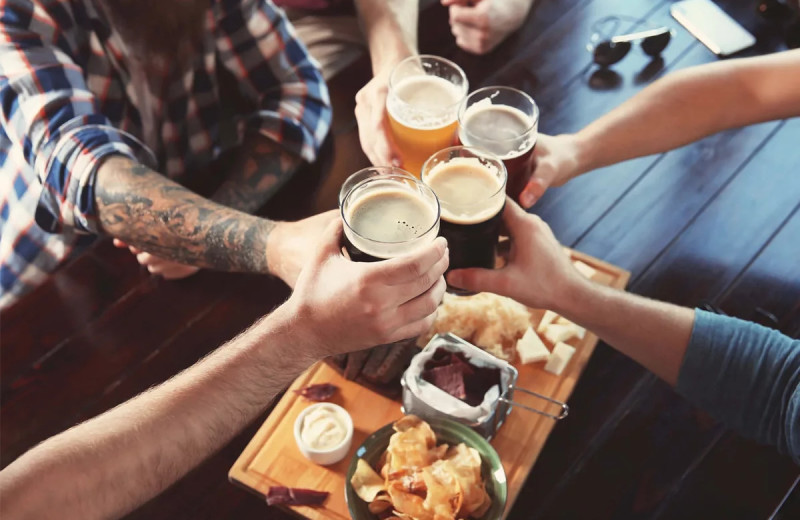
{"type": "Point", "coordinates": [323, 428]}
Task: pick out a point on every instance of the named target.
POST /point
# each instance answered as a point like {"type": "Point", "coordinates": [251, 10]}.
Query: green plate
{"type": "Point", "coordinates": [446, 431]}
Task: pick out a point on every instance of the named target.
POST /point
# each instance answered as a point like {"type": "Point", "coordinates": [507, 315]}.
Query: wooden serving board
{"type": "Point", "coordinates": [273, 459]}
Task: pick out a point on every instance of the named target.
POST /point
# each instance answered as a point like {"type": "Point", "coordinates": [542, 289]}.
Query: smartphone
{"type": "Point", "coordinates": [712, 26]}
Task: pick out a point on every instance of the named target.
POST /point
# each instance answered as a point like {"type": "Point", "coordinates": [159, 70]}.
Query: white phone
{"type": "Point", "coordinates": [711, 25]}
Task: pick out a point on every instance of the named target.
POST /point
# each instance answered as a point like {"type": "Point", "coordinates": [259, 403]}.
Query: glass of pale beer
{"type": "Point", "coordinates": [425, 93]}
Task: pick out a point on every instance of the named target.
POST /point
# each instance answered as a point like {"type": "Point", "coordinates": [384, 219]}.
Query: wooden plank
{"type": "Point", "coordinates": [272, 458]}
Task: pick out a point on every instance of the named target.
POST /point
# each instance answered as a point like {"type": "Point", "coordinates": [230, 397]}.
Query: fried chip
{"type": "Point", "coordinates": [465, 464]}
{"type": "Point", "coordinates": [366, 482]}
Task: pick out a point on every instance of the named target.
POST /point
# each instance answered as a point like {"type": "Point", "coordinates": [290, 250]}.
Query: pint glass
{"type": "Point", "coordinates": [425, 93]}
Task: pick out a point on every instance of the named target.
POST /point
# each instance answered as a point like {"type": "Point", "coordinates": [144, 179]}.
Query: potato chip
{"type": "Point", "coordinates": [465, 464]}
{"type": "Point", "coordinates": [444, 494]}
{"type": "Point", "coordinates": [366, 482]}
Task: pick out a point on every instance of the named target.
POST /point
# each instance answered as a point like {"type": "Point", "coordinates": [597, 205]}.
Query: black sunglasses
{"type": "Point", "coordinates": [607, 50]}
{"type": "Point", "coordinates": [777, 11]}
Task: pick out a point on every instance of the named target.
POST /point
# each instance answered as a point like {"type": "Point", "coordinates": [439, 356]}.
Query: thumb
{"type": "Point", "coordinates": [476, 279]}
{"type": "Point", "coordinates": [533, 191]}
{"type": "Point", "coordinates": [330, 243]}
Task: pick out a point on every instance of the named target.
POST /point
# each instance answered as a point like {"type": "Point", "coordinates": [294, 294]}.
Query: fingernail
{"type": "Point", "coordinates": [527, 199]}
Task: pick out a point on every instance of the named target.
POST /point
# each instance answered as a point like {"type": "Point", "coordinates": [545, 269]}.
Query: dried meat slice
{"type": "Point", "coordinates": [318, 392]}
{"type": "Point", "coordinates": [281, 495]}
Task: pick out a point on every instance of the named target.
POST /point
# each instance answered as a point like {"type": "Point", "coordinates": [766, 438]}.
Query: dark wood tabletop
{"type": "Point", "coordinates": [715, 222]}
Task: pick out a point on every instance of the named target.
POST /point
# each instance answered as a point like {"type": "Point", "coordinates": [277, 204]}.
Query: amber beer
{"type": "Point", "coordinates": [470, 185]}
{"type": "Point", "coordinates": [503, 121]}
{"type": "Point", "coordinates": [387, 216]}
{"type": "Point", "coordinates": [425, 93]}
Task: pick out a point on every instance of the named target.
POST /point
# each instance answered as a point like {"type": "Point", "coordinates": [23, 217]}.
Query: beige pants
{"type": "Point", "coordinates": [334, 41]}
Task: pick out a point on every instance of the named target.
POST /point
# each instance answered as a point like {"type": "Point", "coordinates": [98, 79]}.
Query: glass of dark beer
{"type": "Point", "coordinates": [470, 184]}
{"type": "Point", "coordinates": [366, 174]}
{"type": "Point", "coordinates": [503, 121]}
{"type": "Point", "coordinates": [387, 215]}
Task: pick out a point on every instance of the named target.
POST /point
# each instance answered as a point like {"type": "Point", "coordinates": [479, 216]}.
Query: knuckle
{"type": "Point", "coordinates": [414, 268]}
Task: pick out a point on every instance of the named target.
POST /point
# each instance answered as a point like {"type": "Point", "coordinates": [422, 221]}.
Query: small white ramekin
{"type": "Point", "coordinates": [330, 456]}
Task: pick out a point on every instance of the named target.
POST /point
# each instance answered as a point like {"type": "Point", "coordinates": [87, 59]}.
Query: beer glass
{"type": "Point", "coordinates": [470, 184]}
{"type": "Point", "coordinates": [425, 93]}
{"type": "Point", "coordinates": [503, 121]}
{"type": "Point", "coordinates": [388, 215]}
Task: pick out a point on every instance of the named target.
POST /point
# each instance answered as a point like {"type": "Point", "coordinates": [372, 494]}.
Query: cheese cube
{"type": "Point", "coordinates": [556, 332]}
{"type": "Point", "coordinates": [585, 269]}
{"type": "Point", "coordinates": [559, 358]}
{"type": "Point", "coordinates": [531, 348]}
{"type": "Point", "coordinates": [548, 318]}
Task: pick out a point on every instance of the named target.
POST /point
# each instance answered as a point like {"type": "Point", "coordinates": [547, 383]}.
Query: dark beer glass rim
{"type": "Point", "coordinates": [478, 153]}
{"type": "Point", "coordinates": [420, 57]}
{"type": "Point", "coordinates": [463, 110]}
{"type": "Point", "coordinates": [392, 170]}
{"type": "Point", "coordinates": [401, 176]}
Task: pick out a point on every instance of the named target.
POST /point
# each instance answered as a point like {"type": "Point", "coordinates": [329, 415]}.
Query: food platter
{"type": "Point", "coordinates": [272, 457]}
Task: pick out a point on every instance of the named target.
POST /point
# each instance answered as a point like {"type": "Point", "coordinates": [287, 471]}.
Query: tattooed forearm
{"type": "Point", "coordinates": [259, 170]}
{"type": "Point", "coordinates": [145, 209]}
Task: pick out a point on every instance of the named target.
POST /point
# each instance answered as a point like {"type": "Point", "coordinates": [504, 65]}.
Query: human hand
{"type": "Point", "coordinates": [290, 244]}
{"type": "Point", "coordinates": [167, 269]}
{"type": "Point", "coordinates": [555, 161]}
{"type": "Point", "coordinates": [348, 306]}
{"type": "Point", "coordinates": [480, 25]}
{"type": "Point", "coordinates": [373, 128]}
{"type": "Point", "coordinates": [538, 273]}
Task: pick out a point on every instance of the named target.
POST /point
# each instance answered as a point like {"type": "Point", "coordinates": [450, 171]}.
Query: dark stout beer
{"type": "Point", "coordinates": [470, 186]}
{"type": "Point", "coordinates": [504, 122]}
{"type": "Point", "coordinates": [388, 216]}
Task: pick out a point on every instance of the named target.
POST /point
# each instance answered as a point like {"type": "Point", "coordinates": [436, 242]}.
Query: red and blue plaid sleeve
{"type": "Point", "coordinates": [258, 45]}
{"type": "Point", "coordinates": [48, 111]}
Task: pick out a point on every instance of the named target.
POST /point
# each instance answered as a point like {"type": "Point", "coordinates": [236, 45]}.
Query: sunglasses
{"type": "Point", "coordinates": [608, 50]}
{"type": "Point", "coordinates": [777, 11]}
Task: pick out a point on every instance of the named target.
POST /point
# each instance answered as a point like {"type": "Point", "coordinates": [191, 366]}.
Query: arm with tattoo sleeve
{"type": "Point", "coordinates": [147, 210]}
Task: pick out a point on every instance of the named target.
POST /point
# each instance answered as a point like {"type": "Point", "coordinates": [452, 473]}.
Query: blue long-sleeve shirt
{"type": "Point", "coordinates": [746, 376]}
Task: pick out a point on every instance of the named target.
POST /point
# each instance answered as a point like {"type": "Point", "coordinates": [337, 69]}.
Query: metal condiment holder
{"type": "Point", "coordinates": [414, 404]}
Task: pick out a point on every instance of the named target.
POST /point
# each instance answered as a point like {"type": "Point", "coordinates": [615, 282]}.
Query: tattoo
{"type": "Point", "coordinates": [142, 207]}
{"type": "Point", "coordinates": [261, 168]}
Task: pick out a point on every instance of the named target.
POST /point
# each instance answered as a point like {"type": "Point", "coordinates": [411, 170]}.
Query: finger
{"type": "Point", "coordinates": [413, 330]}
{"type": "Point", "coordinates": [423, 305]}
{"type": "Point", "coordinates": [409, 268]}
{"type": "Point", "coordinates": [468, 16]}
{"type": "Point", "coordinates": [480, 280]}
{"type": "Point", "coordinates": [470, 39]}
{"type": "Point", "coordinates": [119, 243]}
{"type": "Point", "coordinates": [533, 191]}
{"type": "Point", "coordinates": [145, 258]}
{"type": "Point", "coordinates": [134, 250]}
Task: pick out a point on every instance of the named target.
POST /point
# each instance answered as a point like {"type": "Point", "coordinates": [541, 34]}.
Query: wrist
{"type": "Point", "coordinates": [275, 242]}
{"type": "Point", "coordinates": [308, 339]}
{"type": "Point", "coordinates": [573, 297]}
{"type": "Point", "coordinates": [584, 152]}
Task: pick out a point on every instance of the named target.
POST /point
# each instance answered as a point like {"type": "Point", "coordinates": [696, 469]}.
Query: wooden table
{"type": "Point", "coordinates": [717, 221]}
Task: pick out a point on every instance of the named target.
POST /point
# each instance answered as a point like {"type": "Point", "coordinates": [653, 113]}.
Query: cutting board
{"type": "Point", "coordinates": [273, 459]}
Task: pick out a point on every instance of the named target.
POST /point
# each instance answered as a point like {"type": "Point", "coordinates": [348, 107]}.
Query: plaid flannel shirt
{"type": "Point", "coordinates": [66, 103]}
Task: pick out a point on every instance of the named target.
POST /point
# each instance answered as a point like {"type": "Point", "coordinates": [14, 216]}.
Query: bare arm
{"type": "Point", "coordinates": [693, 103]}
{"type": "Point", "coordinates": [390, 27]}
{"type": "Point", "coordinates": [678, 109]}
{"type": "Point", "coordinates": [539, 274]}
{"type": "Point", "coordinates": [391, 31]}
{"type": "Point", "coordinates": [108, 465]}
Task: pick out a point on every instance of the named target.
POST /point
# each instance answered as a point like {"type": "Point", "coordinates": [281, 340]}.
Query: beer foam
{"type": "Point", "coordinates": [383, 221]}
{"type": "Point", "coordinates": [424, 102]}
{"type": "Point", "coordinates": [497, 128]}
{"type": "Point", "coordinates": [468, 190]}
